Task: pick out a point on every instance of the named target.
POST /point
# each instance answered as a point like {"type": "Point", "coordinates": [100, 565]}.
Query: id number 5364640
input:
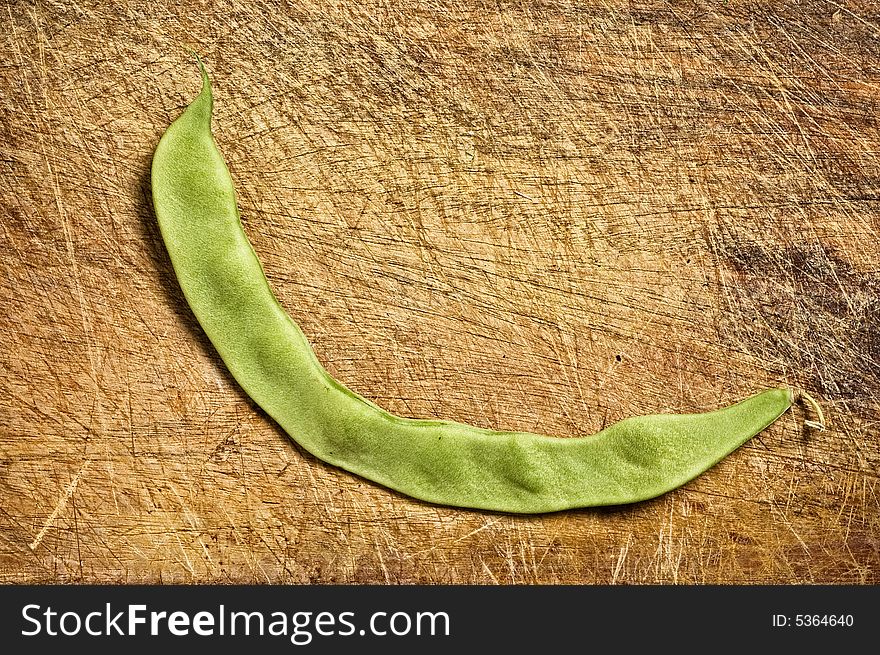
{"type": "Point", "coordinates": [813, 620]}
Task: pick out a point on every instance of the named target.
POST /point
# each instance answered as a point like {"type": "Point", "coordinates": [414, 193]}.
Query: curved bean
{"type": "Point", "coordinates": [437, 461]}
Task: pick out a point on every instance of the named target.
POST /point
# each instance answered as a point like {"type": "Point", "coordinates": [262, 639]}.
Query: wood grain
{"type": "Point", "coordinates": [543, 216]}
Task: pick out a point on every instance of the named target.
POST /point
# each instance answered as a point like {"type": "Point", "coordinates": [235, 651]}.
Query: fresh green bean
{"type": "Point", "coordinates": [437, 461]}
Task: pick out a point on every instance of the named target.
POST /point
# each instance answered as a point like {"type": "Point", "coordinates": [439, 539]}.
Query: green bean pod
{"type": "Point", "coordinates": [437, 461]}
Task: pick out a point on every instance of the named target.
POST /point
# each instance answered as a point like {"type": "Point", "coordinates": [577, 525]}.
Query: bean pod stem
{"type": "Point", "coordinates": [437, 461]}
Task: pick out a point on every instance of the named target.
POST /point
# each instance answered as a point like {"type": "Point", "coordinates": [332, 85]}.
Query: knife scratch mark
{"type": "Point", "coordinates": [489, 572]}
{"type": "Point", "coordinates": [488, 524]}
{"type": "Point", "coordinates": [59, 507]}
{"type": "Point", "coordinates": [621, 558]}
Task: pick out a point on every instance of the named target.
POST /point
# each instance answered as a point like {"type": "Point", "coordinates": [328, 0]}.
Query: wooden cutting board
{"type": "Point", "coordinates": [538, 216]}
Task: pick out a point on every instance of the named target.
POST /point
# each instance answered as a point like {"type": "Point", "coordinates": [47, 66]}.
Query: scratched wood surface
{"type": "Point", "coordinates": [541, 216]}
